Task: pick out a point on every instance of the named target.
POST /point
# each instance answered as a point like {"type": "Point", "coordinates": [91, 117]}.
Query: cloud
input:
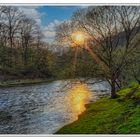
{"type": "Point", "coordinates": [49, 31]}
{"type": "Point", "coordinates": [32, 12]}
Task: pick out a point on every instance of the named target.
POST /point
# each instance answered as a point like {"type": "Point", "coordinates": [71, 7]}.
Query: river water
{"type": "Point", "coordinates": [45, 108]}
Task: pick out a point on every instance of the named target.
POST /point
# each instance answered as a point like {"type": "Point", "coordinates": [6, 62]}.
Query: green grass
{"type": "Point", "coordinates": [109, 116]}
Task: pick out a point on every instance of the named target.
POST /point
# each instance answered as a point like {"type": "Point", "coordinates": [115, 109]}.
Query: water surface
{"type": "Point", "coordinates": [42, 109]}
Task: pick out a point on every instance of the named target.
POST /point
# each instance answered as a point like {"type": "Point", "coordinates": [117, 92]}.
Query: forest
{"type": "Point", "coordinates": [101, 42]}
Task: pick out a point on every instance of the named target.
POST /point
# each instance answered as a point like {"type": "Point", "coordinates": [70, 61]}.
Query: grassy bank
{"type": "Point", "coordinates": [110, 116]}
{"type": "Point", "coordinates": [23, 82]}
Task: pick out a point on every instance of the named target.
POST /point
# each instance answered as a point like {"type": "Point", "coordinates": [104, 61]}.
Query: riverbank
{"type": "Point", "coordinates": [109, 116]}
{"type": "Point", "coordinates": [23, 82]}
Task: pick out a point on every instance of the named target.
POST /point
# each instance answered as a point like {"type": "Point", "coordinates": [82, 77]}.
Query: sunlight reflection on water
{"type": "Point", "coordinates": [79, 95]}
{"type": "Point", "coordinates": [43, 109]}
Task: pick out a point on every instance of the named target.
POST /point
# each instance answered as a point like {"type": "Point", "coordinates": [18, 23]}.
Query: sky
{"type": "Point", "coordinates": [48, 17]}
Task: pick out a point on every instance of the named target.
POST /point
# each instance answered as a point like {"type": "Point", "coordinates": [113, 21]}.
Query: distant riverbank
{"type": "Point", "coordinates": [23, 82]}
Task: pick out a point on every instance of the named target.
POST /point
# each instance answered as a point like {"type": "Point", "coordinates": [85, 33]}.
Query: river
{"type": "Point", "coordinates": [45, 108]}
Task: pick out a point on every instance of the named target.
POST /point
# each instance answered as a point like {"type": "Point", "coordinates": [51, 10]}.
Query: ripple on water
{"type": "Point", "coordinates": [39, 109]}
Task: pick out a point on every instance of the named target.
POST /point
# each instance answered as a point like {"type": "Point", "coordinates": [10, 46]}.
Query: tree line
{"type": "Point", "coordinates": [22, 51]}
{"type": "Point", "coordinates": [110, 51]}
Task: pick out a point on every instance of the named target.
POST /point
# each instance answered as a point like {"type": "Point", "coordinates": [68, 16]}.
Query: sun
{"type": "Point", "coordinates": [78, 38]}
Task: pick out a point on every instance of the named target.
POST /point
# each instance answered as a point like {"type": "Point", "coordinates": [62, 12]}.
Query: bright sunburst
{"type": "Point", "coordinates": [78, 38]}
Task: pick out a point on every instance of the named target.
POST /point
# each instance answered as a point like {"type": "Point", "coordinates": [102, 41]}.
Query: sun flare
{"type": "Point", "coordinates": [78, 38]}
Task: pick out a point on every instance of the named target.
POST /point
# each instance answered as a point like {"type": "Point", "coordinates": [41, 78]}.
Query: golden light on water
{"type": "Point", "coordinates": [78, 38]}
{"type": "Point", "coordinates": [79, 96]}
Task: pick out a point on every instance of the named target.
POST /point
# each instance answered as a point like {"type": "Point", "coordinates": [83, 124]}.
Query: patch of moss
{"type": "Point", "coordinates": [137, 93]}
{"type": "Point", "coordinates": [101, 117]}
{"type": "Point", "coordinates": [132, 124]}
{"type": "Point", "coordinates": [130, 92]}
{"type": "Point", "coordinates": [110, 116]}
{"type": "Point", "coordinates": [124, 92]}
{"type": "Point", "coordinates": [133, 84]}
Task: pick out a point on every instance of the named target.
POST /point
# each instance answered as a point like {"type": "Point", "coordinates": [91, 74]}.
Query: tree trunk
{"type": "Point", "coordinates": [113, 89]}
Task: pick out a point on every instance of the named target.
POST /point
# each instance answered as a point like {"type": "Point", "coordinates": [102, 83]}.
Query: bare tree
{"type": "Point", "coordinates": [11, 20]}
{"type": "Point", "coordinates": [3, 40]}
{"type": "Point", "coordinates": [22, 49]}
{"type": "Point", "coordinates": [111, 31]}
{"type": "Point", "coordinates": [28, 32]}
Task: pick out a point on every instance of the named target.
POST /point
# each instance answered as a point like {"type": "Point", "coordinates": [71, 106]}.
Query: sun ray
{"type": "Point", "coordinates": [98, 61]}
{"type": "Point", "coordinates": [75, 60]}
{"type": "Point", "coordinates": [80, 41]}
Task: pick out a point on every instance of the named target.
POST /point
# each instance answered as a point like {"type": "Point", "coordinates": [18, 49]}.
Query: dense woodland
{"type": "Point", "coordinates": [110, 52]}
